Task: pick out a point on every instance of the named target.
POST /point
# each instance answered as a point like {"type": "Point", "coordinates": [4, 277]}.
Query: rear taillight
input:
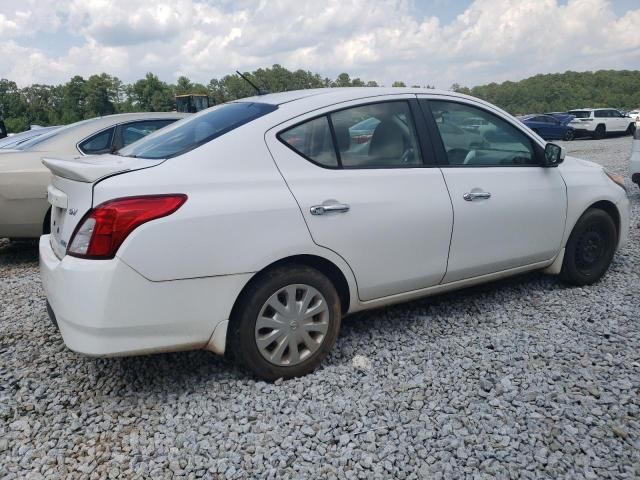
{"type": "Point", "coordinates": [103, 229]}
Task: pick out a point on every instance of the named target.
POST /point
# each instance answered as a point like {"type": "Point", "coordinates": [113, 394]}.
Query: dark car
{"type": "Point", "coordinates": [550, 127]}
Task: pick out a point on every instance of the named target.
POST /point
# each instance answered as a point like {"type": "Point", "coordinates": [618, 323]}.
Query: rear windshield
{"type": "Point", "coordinates": [581, 113]}
{"type": "Point", "coordinates": [196, 130]}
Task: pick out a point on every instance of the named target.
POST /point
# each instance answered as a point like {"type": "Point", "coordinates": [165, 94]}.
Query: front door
{"type": "Point", "coordinates": [509, 211]}
{"type": "Point", "coordinates": [365, 192]}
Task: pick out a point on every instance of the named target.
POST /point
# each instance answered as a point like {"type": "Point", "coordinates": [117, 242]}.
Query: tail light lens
{"type": "Point", "coordinates": [103, 229]}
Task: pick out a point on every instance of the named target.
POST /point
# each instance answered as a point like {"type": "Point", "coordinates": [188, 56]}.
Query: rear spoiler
{"type": "Point", "coordinates": [92, 168]}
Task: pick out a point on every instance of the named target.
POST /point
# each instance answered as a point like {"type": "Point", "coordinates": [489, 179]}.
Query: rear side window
{"type": "Point", "coordinates": [379, 135]}
{"type": "Point", "coordinates": [580, 113]}
{"type": "Point", "coordinates": [132, 132]}
{"type": "Point", "coordinates": [600, 114]}
{"type": "Point", "coordinates": [313, 140]}
{"type": "Point", "coordinates": [196, 130]}
{"type": "Point", "coordinates": [99, 143]}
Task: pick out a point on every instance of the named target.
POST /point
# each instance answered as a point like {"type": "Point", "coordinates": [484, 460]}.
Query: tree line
{"type": "Point", "coordinates": [559, 92]}
{"type": "Point", "coordinates": [104, 94]}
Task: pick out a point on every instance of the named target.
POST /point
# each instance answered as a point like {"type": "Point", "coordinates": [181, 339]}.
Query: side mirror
{"type": "Point", "coordinates": [553, 155]}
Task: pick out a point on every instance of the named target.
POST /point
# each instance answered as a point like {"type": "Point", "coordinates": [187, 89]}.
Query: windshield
{"type": "Point", "coordinates": [580, 113]}
{"type": "Point", "coordinates": [196, 130]}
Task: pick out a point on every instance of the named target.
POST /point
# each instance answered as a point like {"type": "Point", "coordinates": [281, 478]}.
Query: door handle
{"type": "Point", "coordinates": [471, 196]}
{"type": "Point", "coordinates": [328, 208]}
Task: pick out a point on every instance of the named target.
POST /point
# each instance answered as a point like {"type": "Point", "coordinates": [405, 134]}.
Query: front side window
{"type": "Point", "coordinates": [99, 143]}
{"type": "Point", "coordinates": [494, 143]}
{"type": "Point", "coordinates": [196, 130]}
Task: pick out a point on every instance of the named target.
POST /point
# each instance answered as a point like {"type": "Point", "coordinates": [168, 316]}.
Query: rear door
{"type": "Point", "coordinates": [368, 190]}
{"type": "Point", "coordinates": [509, 211]}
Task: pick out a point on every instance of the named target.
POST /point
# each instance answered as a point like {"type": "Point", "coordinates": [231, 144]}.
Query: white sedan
{"type": "Point", "coordinates": [251, 228]}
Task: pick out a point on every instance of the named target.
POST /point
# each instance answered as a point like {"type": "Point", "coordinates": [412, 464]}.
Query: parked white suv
{"type": "Point", "coordinates": [598, 122]}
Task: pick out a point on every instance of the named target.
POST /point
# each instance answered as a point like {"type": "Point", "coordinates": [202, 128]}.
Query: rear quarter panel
{"type": "Point", "coordinates": [239, 217]}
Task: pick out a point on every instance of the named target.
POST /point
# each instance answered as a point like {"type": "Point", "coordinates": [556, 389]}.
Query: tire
{"type": "Point", "coordinates": [254, 318]}
{"type": "Point", "coordinates": [569, 135]}
{"type": "Point", "coordinates": [46, 224]}
{"type": "Point", "coordinates": [600, 132]}
{"type": "Point", "coordinates": [631, 129]}
{"type": "Point", "coordinates": [590, 248]}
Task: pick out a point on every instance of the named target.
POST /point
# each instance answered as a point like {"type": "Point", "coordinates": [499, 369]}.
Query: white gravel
{"type": "Point", "coordinates": [524, 378]}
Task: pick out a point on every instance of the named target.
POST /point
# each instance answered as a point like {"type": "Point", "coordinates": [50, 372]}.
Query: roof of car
{"type": "Point", "coordinates": [338, 92]}
{"type": "Point", "coordinates": [75, 132]}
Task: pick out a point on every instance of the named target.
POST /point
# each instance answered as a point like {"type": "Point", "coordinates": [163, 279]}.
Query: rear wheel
{"type": "Point", "coordinates": [285, 323]}
{"type": "Point", "coordinates": [46, 224]}
{"type": "Point", "coordinates": [590, 248]}
{"type": "Point", "coordinates": [600, 132]}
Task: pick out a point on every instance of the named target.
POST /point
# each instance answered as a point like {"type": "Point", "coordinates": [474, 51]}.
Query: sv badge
{"type": "Point", "coordinates": [73, 211]}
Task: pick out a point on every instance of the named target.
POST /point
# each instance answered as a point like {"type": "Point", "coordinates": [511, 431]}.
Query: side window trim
{"type": "Point", "coordinates": [95, 134]}
{"type": "Point", "coordinates": [306, 157]}
{"type": "Point", "coordinates": [334, 140]}
{"type": "Point", "coordinates": [425, 103]}
{"type": "Point", "coordinates": [412, 111]}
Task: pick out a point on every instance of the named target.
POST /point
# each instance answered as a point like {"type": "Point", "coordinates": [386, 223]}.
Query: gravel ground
{"type": "Point", "coordinates": [524, 378]}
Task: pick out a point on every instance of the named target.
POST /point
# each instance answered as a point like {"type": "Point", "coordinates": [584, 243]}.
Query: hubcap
{"type": "Point", "coordinates": [590, 249]}
{"type": "Point", "coordinates": [292, 325]}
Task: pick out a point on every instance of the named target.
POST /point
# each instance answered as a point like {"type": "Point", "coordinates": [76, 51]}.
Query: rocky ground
{"type": "Point", "coordinates": [524, 378]}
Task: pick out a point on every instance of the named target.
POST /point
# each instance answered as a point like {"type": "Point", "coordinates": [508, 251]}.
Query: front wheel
{"type": "Point", "coordinates": [590, 248]}
{"type": "Point", "coordinates": [631, 129]}
{"type": "Point", "coordinates": [285, 323]}
{"type": "Point", "coordinates": [569, 135]}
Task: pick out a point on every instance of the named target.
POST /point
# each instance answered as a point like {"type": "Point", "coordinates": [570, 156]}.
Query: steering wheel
{"type": "Point", "coordinates": [469, 158]}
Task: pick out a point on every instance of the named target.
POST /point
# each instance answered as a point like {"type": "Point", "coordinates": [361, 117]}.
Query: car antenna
{"type": "Point", "coordinates": [258, 90]}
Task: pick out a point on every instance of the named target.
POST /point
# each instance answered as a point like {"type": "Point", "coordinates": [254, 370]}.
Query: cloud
{"type": "Point", "coordinates": [492, 40]}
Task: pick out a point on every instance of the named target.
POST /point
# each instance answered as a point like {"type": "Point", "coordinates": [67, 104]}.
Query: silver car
{"type": "Point", "coordinates": [24, 210]}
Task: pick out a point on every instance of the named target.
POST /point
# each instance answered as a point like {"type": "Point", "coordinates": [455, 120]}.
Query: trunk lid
{"type": "Point", "coordinates": [71, 190]}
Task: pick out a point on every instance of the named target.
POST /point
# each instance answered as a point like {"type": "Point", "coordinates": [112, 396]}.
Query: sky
{"type": "Point", "coordinates": [421, 42]}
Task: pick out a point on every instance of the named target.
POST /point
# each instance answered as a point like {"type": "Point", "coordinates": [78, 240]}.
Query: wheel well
{"type": "Point", "coordinates": [46, 224]}
{"type": "Point", "coordinates": [328, 268]}
{"type": "Point", "coordinates": [611, 210]}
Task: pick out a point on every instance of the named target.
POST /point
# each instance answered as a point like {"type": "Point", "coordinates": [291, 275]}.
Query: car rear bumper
{"type": "Point", "coordinates": [105, 308]}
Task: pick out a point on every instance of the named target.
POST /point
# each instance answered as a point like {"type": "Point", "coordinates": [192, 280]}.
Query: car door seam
{"type": "Point", "coordinates": [304, 218]}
